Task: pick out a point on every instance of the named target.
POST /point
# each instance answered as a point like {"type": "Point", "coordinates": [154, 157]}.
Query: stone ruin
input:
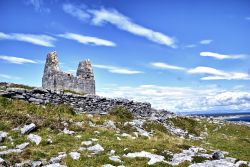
{"type": "Point", "coordinates": [56, 80]}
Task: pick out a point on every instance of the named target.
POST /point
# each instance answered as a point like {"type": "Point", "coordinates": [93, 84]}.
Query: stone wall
{"type": "Point", "coordinates": [81, 104]}
{"type": "Point", "coordinates": [56, 80]}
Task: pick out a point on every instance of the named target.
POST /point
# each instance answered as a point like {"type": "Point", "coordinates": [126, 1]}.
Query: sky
{"type": "Point", "coordinates": [178, 55]}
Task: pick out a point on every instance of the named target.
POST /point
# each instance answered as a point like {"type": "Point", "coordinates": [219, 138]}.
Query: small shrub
{"type": "Point", "coordinates": [243, 165]}
{"type": "Point", "coordinates": [184, 146]}
{"type": "Point", "coordinates": [188, 124]}
{"type": "Point", "coordinates": [122, 114]}
{"type": "Point", "coordinates": [148, 126]}
{"type": "Point", "coordinates": [126, 128]}
{"type": "Point", "coordinates": [4, 102]}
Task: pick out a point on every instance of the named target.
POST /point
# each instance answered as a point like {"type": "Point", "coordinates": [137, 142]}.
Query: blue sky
{"type": "Point", "coordinates": [179, 55]}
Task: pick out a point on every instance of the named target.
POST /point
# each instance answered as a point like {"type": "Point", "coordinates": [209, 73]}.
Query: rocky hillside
{"type": "Point", "coordinates": [55, 136]}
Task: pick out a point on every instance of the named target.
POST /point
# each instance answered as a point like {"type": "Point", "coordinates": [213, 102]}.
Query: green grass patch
{"type": "Point", "coordinates": [73, 92]}
{"type": "Point", "coordinates": [188, 124]}
{"type": "Point", "coordinates": [121, 114]}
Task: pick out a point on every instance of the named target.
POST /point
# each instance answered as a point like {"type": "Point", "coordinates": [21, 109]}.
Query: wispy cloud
{"type": "Point", "coordinates": [190, 46]}
{"type": "Point", "coordinates": [75, 11]}
{"type": "Point", "coordinates": [183, 99]}
{"type": "Point", "coordinates": [162, 65]}
{"type": "Point", "coordinates": [247, 18]}
{"type": "Point", "coordinates": [209, 72]}
{"type": "Point", "coordinates": [222, 56]}
{"type": "Point", "coordinates": [38, 5]}
{"type": "Point", "coordinates": [206, 70]}
{"type": "Point", "coordinates": [16, 60]}
{"type": "Point", "coordinates": [124, 23]}
{"type": "Point", "coordinates": [42, 40]}
{"type": "Point", "coordinates": [5, 76]}
{"type": "Point", "coordinates": [215, 74]}
{"type": "Point", "coordinates": [118, 70]}
{"type": "Point", "coordinates": [206, 41]}
{"type": "Point", "coordinates": [87, 39]}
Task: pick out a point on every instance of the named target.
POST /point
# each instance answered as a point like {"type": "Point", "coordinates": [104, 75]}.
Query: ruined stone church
{"type": "Point", "coordinates": [56, 80]}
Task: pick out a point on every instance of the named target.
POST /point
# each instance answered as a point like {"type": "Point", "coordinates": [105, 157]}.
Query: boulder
{"type": "Point", "coordinates": [218, 155]}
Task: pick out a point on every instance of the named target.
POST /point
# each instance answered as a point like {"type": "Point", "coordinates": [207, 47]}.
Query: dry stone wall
{"type": "Point", "coordinates": [80, 103]}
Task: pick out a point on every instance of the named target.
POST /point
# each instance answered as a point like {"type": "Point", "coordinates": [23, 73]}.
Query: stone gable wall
{"type": "Point", "coordinates": [81, 104]}
{"type": "Point", "coordinates": [56, 80]}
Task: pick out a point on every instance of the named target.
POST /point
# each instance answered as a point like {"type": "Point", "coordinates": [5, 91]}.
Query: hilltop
{"type": "Point", "coordinates": [34, 133]}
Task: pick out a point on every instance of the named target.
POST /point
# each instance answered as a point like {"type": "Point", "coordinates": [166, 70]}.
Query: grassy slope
{"type": "Point", "coordinates": [14, 113]}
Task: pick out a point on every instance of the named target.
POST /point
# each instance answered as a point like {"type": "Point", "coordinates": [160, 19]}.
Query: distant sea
{"type": "Point", "coordinates": [230, 116]}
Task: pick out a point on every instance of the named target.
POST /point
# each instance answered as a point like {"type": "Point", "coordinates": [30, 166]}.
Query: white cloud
{"type": "Point", "coordinates": [38, 5]}
{"type": "Point", "coordinates": [42, 40]}
{"type": "Point", "coordinates": [215, 74]}
{"type": "Point", "coordinates": [222, 56]}
{"type": "Point", "coordinates": [206, 70]}
{"type": "Point", "coordinates": [190, 46]}
{"type": "Point", "coordinates": [162, 65]}
{"type": "Point", "coordinates": [16, 60]}
{"type": "Point", "coordinates": [206, 41]}
{"type": "Point", "coordinates": [87, 39]}
{"type": "Point", "coordinates": [183, 99]}
{"type": "Point", "coordinates": [124, 23]}
{"type": "Point", "coordinates": [75, 11]}
{"type": "Point", "coordinates": [5, 76]}
{"type": "Point", "coordinates": [118, 70]}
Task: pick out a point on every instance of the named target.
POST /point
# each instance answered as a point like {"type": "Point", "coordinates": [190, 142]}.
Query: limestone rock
{"type": "Point", "coordinates": [96, 149]}
{"type": "Point", "coordinates": [3, 135]}
{"type": "Point", "coordinates": [55, 165]}
{"type": "Point", "coordinates": [115, 159]}
{"type": "Point", "coordinates": [2, 162]}
{"type": "Point", "coordinates": [109, 124]}
{"type": "Point", "coordinates": [68, 132]}
{"type": "Point", "coordinates": [143, 154]}
{"type": "Point", "coordinates": [86, 143]}
{"type": "Point", "coordinates": [75, 155]}
{"type": "Point", "coordinates": [36, 163]}
{"type": "Point", "coordinates": [28, 128]}
{"type": "Point", "coordinates": [34, 138]}
{"type": "Point", "coordinates": [22, 146]}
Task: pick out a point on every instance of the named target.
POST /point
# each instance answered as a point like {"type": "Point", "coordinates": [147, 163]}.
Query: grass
{"type": "Point", "coordinates": [73, 92]}
{"type": "Point", "coordinates": [3, 85]}
{"type": "Point", "coordinates": [188, 124]}
{"type": "Point", "coordinates": [49, 118]}
{"type": "Point", "coordinates": [121, 114]}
